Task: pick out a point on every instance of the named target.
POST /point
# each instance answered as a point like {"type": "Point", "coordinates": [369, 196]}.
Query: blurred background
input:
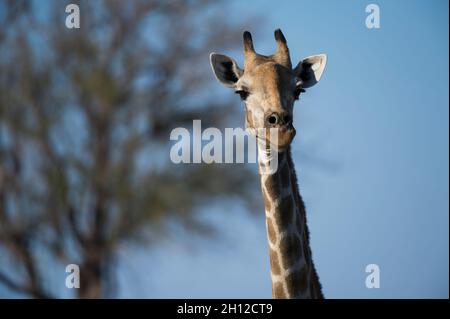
{"type": "Point", "coordinates": [85, 174]}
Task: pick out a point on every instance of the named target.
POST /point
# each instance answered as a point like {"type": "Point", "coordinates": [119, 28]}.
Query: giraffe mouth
{"type": "Point", "coordinates": [284, 137]}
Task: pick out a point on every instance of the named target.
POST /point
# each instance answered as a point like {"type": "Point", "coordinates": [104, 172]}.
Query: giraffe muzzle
{"type": "Point", "coordinates": [284, 136]}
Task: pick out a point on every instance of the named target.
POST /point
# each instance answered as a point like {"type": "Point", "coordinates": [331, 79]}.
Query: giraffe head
{"type": "Point", "coordinates": [269, 86]}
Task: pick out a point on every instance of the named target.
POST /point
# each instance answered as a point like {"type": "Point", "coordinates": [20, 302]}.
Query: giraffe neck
{"type": "Point", "coordinates": [292, 268]}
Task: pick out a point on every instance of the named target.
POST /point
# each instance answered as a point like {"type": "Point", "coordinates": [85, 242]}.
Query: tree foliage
{"type": "Point", "coordinates": [85, 118]}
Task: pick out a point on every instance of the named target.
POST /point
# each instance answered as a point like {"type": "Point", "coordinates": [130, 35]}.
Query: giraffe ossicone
{"type": "Point", "coordinates": [269, 86]}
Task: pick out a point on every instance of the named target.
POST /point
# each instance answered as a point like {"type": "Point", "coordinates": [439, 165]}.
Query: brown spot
{"type": "Point", "coordinates": [271, 231]}
{"type": "Point", "coordinates": [249, 119]}
{"type": "Point", "coordinates": [306, 250]}
{"type": "Point", "coordinates": [290, 249]}
{"type": "Point", "coordinates": [284, 174]}
{"type": "Point", "coordinates": [312, 289]}
{"type": "Point", "coordinates": [273, 186]}
{"type": "Point", "coordinates": [298, 198]}
{"type": "Point", "coordinates": [267, 203]}
{"type": "Point", "coordinates": [298, 222]}
{"type": "Point", "coordinates": [303, 231]}
{"type": "Point", "coordinates": [274, 263]}
{"type": "Point", "coordinates": [297, 281]}
{"type": "Point", "coordinates": [284, 213]}
{"type": "Point", "coordinates": [278, 291]}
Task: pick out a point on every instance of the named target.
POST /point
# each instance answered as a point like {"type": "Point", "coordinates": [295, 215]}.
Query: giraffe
{"type": "Point", "coordinates": [269, 86]}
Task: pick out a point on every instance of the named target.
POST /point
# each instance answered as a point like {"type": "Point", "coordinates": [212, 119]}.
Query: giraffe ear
{"type": "Point", "coordinates": [225, 69]}
{"type": "Point", "coordinates": [310, 69]}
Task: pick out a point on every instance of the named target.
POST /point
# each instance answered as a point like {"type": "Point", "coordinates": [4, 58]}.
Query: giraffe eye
{"type": "Point", "coordinates": [243, 94]}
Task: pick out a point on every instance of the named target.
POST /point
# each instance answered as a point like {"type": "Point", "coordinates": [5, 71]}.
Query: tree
{"type": "Point", "coordinates": [85, 118]}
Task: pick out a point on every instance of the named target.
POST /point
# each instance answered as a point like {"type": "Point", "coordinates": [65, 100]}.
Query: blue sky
{"type": "Point", "coordinates": [371, 155]}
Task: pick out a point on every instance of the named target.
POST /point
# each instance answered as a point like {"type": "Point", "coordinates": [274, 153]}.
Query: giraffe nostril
{"type": "Point", "coordinates": [287, 119]}
{"type": "Point", "coordinates": [272, 119]}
